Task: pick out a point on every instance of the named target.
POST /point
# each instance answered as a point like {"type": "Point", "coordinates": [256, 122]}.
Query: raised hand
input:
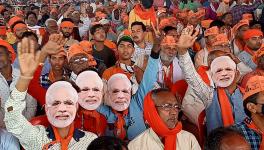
{"type": "Point", "coordinates": [27, 57]}
{"type": "Point", "coordinates": [54, 45]}
{"type": "Point", "coordinates": [187, 39]}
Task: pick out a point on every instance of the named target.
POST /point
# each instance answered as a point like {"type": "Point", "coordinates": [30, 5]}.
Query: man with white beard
{"type": "Point", "coordinates": [169, 69]}
{"type": "Point", "coordinates": [61, 107]}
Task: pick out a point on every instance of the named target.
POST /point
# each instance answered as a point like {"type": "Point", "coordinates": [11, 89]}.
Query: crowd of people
{"type": "Point", "coordinates": [132, 75]}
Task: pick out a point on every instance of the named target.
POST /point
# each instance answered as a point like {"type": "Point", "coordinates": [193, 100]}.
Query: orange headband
{"type": "Point", "coordinates": [220, 39]}
{"type": "Point", "coordinates": [66, 24]}
{"type": "Point", "coordinates": [211, 31]}
{"type": "Point", "coordinates": [247, 17]}
{"type": "Point", "coordinates": [19, 26]}
{"type": "Point", "coordinates": [251, 33]}
{"type": "Point", "coordinates": [206, 23]}
{"type": "Point", "coordinates": [168, 40]}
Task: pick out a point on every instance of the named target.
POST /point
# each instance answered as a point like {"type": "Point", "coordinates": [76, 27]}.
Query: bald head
{"type": "Point", "coordinates": [226, 139]}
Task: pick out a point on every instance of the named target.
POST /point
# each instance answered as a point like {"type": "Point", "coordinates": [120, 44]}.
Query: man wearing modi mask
{"type": "Point", "coordinates": [124, 113]}
{"type": "Point", "coordinates": [90, 98]}
{"type": "Point", "coordinates": [61, 107]}
{"type": "Point", "coordinates": [161, 111]}
{"type": "Point", "coordinates": [223, 103]}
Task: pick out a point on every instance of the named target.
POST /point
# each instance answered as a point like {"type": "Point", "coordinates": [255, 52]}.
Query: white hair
{"type": "Point", "coordinates": [220, 59]}
{"type": "Point", "coordinates": [61, 85]}
{"type": "Point", "coordinates": [89, 75]}
{"type": "Point", "coordinates": [118, 76]}
{"type": "Point", "coordinates": [49, 20]}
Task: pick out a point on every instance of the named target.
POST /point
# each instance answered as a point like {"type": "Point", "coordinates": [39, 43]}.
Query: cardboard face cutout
{"type": "Point", "coordinates": [119, 90]}
{"type": "Point", "coordinates": [61, 104]}
{"type": "Point", "coordinates": [91, 86]}
{"type": "Point", "coordinates": [223, 70]}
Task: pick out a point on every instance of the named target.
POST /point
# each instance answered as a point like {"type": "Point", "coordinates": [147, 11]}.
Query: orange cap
{"type": "Point", "coordinates": [19, 26]}
{"type": "Point", "coordinates": [206, 23]}
{"type": "Point", "coordinates": [168, 40]}
{"type": "Point", "coordinates": [239, 24]}
{"type": "Point", "coordinates": [254, 85]}
{"type": "Point", "coordinates": [220, 39]}
{"type": "Point", "coordinates": [257, 55]}
{"type": "Point", "coordinates": [87, 46]}
{"type": "Point", "coordinates": [211, 31]}
{"type": "Point", "coordinates": [9, 48]}
{"type": "Point", "coordinates": [66, 24]}
{"type": "Point", "coordinates": [251, 33]}
{"type": "Point", "coordinates": [247, 16]}
{"type": "Point", "coordinates": [74, 50]}
{"type": "Point", "coordinates": [13, 20]}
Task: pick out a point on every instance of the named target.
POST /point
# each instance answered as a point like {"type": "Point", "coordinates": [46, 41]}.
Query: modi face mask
{"type": "Point", "coordinates": [223, 70]}
{"type": "Point", "coordinates": [61, 104]}
{"type": "Point", "coordinates": [119, 90]}
{"type": "Point", "coordinates": [91, 86]}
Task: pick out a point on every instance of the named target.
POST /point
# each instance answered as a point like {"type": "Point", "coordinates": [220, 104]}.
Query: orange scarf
{"type": "Point", "coordinates": [252, 126]}
{"type": "Point", "coordinates": [248, 50]}
{"type": "Point", "coordinates": [146, 15]}
{"type": "Point", "coordinates": [92, 121]}
{"type": "Point", "coordinates": [120, 131]}
{"type": "Point", "coordinates": [225, 106]}
{"type": "Point", "coordinates": [168, 79]}
{"type": "Point", "coordinates": [201, 70]}
{"type": "Point", "coordinates": [153, 119]}
{"type": "Point", "coordinates": [63, 141]}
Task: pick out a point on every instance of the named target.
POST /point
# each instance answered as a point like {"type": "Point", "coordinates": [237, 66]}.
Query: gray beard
{"type": "Point", "coordinates": [164, 57]}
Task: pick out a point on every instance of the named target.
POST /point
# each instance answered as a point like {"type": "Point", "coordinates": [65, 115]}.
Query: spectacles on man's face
{"type": "Point", "coordinates": [169, 107]}
{"type": "Point", "coordinates": [81, 59]}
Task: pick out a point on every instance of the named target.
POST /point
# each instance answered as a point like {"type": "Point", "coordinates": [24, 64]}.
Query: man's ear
{"type": "Point", "coordinates": [251, 107]}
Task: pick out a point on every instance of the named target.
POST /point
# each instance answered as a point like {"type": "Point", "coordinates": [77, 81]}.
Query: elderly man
{"type": "Point", "coordinates": [90, 98]}
{"type": "Point", "coordinates": [61, 107]}
{"type": "Point", "coordinates": [124, 113]}
{"type": "Point", "coordinates": [79, 60]}
{"type": "Point", "coordinates": [161, 110]}
{"type": "Point", "coordinates": [51, 28]}
{"type": "Point", "coordinates": [224, 103]}
{"type": "Point", "coordinates": [253, 42]}
{"type": "Point", "coordinates": [253, 126]}
{"type": "Point", "coordinates": [169, 69]}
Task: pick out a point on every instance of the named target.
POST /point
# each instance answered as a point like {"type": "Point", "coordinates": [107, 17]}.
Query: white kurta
{"type": "Point", "coordinates": [149, 140]}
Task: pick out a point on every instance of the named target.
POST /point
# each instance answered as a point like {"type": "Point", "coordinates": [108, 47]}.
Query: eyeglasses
{"type": "Point", "coordinates": [169, 107]}
{"type": "Point", "coordinates": [81, 59]}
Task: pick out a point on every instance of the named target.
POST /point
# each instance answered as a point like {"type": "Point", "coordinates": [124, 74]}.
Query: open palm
{"type": "Point", "coordinates": [27, 57]}
{"type": "Point", "coordinates": [187, 38]}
